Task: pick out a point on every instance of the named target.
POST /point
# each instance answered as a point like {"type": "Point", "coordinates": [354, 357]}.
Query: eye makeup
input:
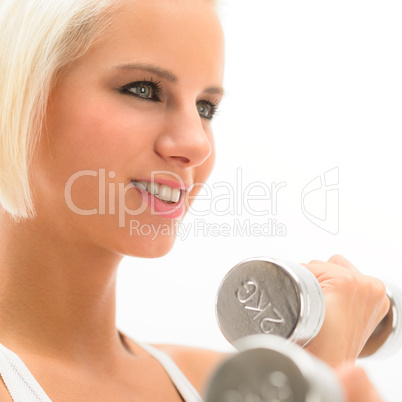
{"type": "Point", "coordinates": [150, 90]}
{"type": "Point", "coordinates": [145, 89]}
{"type": "Point", "coordinates": [207, 109]}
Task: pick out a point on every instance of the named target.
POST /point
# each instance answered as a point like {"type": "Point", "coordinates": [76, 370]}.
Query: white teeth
{"type": "Point", "coordinates": [162, 191]}
{"type": "Point", "coordinates": [175, 195]}
{"type": "Point", "coordinates": [142, 185]}
{"type": "Point", "coordinates": [153, 188]}
{"type": "Point", "coordinates": [165, 193]}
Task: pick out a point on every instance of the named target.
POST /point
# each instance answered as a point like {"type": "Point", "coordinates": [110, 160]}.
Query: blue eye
{"type": "Point", "coordinates": [147, 90]}
{"type": "Point", "coordinates": [206, 109]}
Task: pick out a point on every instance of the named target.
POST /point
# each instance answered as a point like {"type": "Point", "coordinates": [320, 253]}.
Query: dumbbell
{"type": "Point", "coordinates": [269, 369]}
{"type": "Point", "coordinates": [267, 296]}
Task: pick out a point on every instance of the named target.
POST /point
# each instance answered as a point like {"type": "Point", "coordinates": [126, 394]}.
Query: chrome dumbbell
{"type": "Point", "coordinates": [267, 296]}
{"type": "Point", "coordinates": [270, 369]}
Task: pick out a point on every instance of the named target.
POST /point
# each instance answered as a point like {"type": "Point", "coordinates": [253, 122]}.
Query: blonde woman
{"type": "Point", "coordinates": [103, 104]}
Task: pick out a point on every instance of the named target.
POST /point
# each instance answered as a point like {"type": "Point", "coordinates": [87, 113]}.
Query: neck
{"type": "Point", "coordinates": [56, 296]}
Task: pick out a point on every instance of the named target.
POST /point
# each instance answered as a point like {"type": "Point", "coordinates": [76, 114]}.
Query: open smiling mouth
{"type": "Point", "coordinates": [164, 192]}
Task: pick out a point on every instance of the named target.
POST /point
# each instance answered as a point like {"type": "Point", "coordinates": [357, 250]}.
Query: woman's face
{"type": "Point", "coordinates": [136, 107]}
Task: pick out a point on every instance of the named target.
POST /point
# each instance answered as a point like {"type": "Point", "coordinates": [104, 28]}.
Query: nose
{"type": "Point", "coordinates": [183, 140]}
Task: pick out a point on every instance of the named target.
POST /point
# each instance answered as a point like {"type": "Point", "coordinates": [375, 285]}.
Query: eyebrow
{"type": "Point", "coordinates": [165, 74]}
{"type": "Point", "coordinates": [215, 90]}
{"type": "Point", "coordinates": [160, 72]}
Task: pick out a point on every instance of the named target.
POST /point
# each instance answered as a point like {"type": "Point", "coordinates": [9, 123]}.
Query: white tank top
{"type": "Point", "coordinates": [23, 387]}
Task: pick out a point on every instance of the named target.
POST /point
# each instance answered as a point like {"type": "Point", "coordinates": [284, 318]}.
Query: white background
{"type": "Point", "coordinates": [310, 87]}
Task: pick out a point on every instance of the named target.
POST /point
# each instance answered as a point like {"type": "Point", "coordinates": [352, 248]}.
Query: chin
{"type": "Point", "coordinates": [150, 248]}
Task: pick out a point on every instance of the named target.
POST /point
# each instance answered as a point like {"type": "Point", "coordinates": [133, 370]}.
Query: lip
{"type": "Point", "coordinates": [161, 208]}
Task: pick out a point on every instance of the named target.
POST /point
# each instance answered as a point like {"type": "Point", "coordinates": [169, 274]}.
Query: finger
{"type": "Point", "coordinates": [326, 270]}
{"type": "Point", "coordinates": [318, 268]}
{"type": "Point", "coordinates": [379, 290]}
{"type": "Point", "coordinates": [342, 261]}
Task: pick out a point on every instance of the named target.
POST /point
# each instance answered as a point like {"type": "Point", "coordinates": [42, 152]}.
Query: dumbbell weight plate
{"type": "Point", "coordinates": [273, 370]}
{"type": "Point", "coordinates": [266, 296]}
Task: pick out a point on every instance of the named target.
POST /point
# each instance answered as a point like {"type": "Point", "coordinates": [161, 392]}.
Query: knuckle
{"type": "Point", "coordinates": [353, 375]}
{"type": "Point", "coordinates": [350, 280]}
{"type": "Point", "coordinates": [360, 375]}
{"type": "Point", "coordinates": [316, 262]}
{"type": "Point", "coordinates": [336, 259]}
{"type": "Point", "coordinates": [380, 287]}
{"type": "Point", "coordinates": [376, 287]}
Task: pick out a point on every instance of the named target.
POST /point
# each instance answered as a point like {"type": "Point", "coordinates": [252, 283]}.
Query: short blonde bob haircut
{"type": "Point", "coordinates": [37, 39]}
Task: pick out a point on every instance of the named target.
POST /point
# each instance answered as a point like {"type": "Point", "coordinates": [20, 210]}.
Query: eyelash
{"type": "Point", "coordinates": [213, 104]}
{"type": "Point", "coordinates": [157, 89]}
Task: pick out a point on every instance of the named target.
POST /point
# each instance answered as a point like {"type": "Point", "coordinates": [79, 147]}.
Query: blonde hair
{"type": "Point", "coordinates": [37, 39]}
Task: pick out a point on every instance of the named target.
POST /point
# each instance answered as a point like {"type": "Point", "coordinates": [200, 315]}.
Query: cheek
{"type": "Point", "coordinates": [92, 134]}
{"type": "Point", "coordinates": [89, 135]}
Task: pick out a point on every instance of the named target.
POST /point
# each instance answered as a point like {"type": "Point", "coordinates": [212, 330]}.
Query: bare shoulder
{"type": "Point", "coordinates": [197, 364]}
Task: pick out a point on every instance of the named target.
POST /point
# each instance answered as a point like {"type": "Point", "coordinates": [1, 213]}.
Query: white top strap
{"type": "Point", "coordinates": [183, 385]}
{"type": "Point", "coordinates": [21, 384]}
{"type": "Point", "coordinates": [23, 387]}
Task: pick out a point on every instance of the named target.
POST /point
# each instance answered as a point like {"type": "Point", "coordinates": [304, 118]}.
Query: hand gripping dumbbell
{"type": "Point", "coordinates": [267, 296]}
{"type": "Point", "coordinates": [269, 369]}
